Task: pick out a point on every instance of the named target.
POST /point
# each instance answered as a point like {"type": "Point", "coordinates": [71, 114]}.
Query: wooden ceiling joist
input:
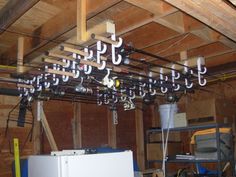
{"type": "Point", "coordinates": [214, 13]}
{"type": "Point", "coordinates": [60, 27]}
{"type": "Point", "coordinates": [13, 10]}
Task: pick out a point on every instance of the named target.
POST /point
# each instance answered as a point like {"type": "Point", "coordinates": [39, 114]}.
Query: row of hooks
{"type": "Point", "coordinates": [78, 64]}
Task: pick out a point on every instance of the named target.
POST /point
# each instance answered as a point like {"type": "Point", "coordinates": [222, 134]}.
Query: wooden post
{"type": "Point", "coordinates": [155, 115]}
{"type": "Point", "coordinates": [76, 125]}
{"type": "Point", "coordinates": [183, 55]}
{"type": "Point", "coordinates": [111, 130]}
{"type": "Point", "coordinates": [140, 136]}
{"type": "Point", "coordinates": [37, 147]}
{"type": "Point", "coordinates": [20, 55]}
{"type": "Point", "coordinates": [48, 131]}
{"type": "Point", "coordinates": [81, 20]}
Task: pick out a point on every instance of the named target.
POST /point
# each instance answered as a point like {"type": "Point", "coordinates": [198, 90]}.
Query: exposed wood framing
{"type": "Point", "coordinates": [20, 55]}
{"type": "Point", "coordinates": [48, 132]}
{"type": "Point", "coordinates": [233, 2]}
{"type": "Point", "coordinates": [62, 29]}
{"type": "Point", "coordinates": [222, 17]}
{"type": "Point", "coordinates": [183, 55]}
{"type": "Point", "coordinates": [12, 11]}
{"type": "Point", "coordinates": [140, 136]}
{"type": "Point", "coordinates": [81, 20]}
{"type": "Point", "coordinates": [105, 28]}
{"type": "Point", "coordinates": [37, 148]}
{"type": "Point", "coordinates": [40, 116]}
{"type": "Point", "coordinates": [155, 115]}
{"type": "Point", "coordinates": [177, 21]}
{"type": "Point", "coordinates": [76, 125]}
{"type": "Point", "coordinates": [111, 130]}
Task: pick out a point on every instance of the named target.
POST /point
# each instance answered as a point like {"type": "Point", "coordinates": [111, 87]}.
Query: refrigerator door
{"type": "Point", "coordinates": [118, 164]}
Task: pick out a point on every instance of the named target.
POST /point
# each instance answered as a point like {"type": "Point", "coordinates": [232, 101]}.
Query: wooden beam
{"type": "Point", "coordinates": [105, 28]}
{"type": "Point", "coordinates": [183, 55]}
{"type": "Point", "coordinates": [111, 129]}
{"type": "Point", "coordinates": [173, 21]}
{"type": "Point", "coordinates": [155, 115]}
{"type": "Point", "coordinates": [157, 7]}
{"type": "Point", "coordinates": [140, 136]}
{"type": "Point", "coordinates": [81, 20]}
{"type": "Point", "coordinates": [20, 55]}
{"type": "Point", "coordinates": [13, 10]}
{"type": "Point", "coordinates": [37, 147]}
{"type": "Point", "coordinates": [222, 17]}
{"type": "Point", "coordinates": [61, 27]}
{"type": "Point", "coordinates": [40, 116]}
{"type": "Point", "coordinates": [77, 128]}
{"type": "Point", "coordinates": [233, 2]}
{"type": "Point", "coordinates": [177, 21]}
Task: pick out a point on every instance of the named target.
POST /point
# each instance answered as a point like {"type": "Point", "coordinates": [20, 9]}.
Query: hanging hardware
{"type": "Point", "coordinates": [101, 49]}
{"type": "Point", "coordinates": [165, 78]}
{"type": "Point", "coordinates": [201, 71]}
{"type": "Point", "coordinates": [175, 76]}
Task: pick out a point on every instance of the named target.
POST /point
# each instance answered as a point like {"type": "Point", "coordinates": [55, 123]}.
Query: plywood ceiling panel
{"type": "Point", "coordinates": [124, 15]}
{"type": "Point", "coordinates": [2, 3]}
{"type": "Point", "coordinates": [205, 51]}
{"type": "Point", "coordinates": [149, 34]}
{"type": "Point", "coordinates": [36, 16]}
{"type": "Point", "coordinates": [221, 59]}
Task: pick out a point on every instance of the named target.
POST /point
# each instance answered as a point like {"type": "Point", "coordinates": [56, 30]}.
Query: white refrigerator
{"type": "Point", "coordinates": [117, 164]}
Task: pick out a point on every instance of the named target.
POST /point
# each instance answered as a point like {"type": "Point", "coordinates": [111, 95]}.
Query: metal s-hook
{"type": "Point", "coordinates": [87, 68]}
{"type": "Point", "coordinates": [201, 71]}
{"type": "Point", "coordinates": [142, 93]}
{"type": "Point", "coordinates": [75, 70]}
{"type": "Point", "coordinates": [131, 94]}
{"type": "Point", "coordinates": [106, 99]}
{"type": "Point", "coordinates": [152, 82]}
{"type": "Point", "coordinates": [100, 51]}
{"type": "Point", "coordinates": [99, 102]}
{"type": "Point", "coordinates": [123, 97]}
{"type": "Point", "coordinates": [175, 76]}
{"type": "Point", "coordinates": [32, 90]}
{"type": "Point", "coordinates": [38, 84]}
{"type": "Point", "coordinates": [64, 78]}
{"type": "Point", "coordinates": [116, 61]}
{"type": "Point", "coordinates": [163, 89]}
{"type": "Point", "coordinates": [114, 98]}
{"type": "Point", "coordinates": [67, 63]}
{"type": "Point", "coordinates": [188, 84]}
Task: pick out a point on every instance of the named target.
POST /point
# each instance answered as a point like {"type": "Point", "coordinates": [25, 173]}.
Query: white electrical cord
{"type": "Point", "coordinates": [165, 143]}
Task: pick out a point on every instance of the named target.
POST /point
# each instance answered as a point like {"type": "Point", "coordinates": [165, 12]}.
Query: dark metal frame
{"type": "Point", "coordinates": [219, 160]}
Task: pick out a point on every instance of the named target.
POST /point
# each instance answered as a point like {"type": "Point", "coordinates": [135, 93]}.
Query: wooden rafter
{"type": "Point", "coordinates": [81, 20]}
{"type": "Point", "coordinates": [13, 10]}
{"type": "Point", "coordinates": [60, 27]}
{"type": "Point", "coordinates": [214, 13]}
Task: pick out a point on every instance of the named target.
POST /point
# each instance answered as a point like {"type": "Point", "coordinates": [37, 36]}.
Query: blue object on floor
{"type": "Point", "coordinates": [23, 167]}
{"type": "Point", "coordinates": [204, 171]}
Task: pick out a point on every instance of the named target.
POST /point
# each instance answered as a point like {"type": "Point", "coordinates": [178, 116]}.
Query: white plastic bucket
{"type": "Point", "coordinates": [167, 114]}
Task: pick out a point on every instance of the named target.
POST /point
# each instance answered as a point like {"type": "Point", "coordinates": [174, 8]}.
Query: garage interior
{"type": "Point", "coordinates": [151, 78]}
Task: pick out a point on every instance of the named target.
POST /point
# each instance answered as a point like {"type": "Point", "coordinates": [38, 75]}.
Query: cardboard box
{"type": "Point", "coordinates": [180, 120]}
{"type": "Point", "coordinates": [154, 150]}
{"type": "Point", "coordinates": [210, 111]}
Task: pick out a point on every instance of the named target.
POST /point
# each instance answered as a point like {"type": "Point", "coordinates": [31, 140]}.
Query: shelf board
{"type": "Point", "coordinates": [188, 128]}
{"type": "Point", "coordinates": [189, 161]}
